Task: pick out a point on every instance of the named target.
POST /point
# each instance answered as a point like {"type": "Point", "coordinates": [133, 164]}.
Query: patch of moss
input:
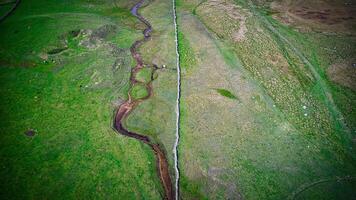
{"type": "Point", "coordinates": [187, 57]}
{"type": "Point", "coordinates": [144, 75]}
{"type": "Point", "coordinates": [139, 91]}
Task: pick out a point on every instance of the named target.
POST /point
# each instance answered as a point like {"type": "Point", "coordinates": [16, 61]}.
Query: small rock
{"type": "Point", "coordinates": [30, 133]}
{"type": "Point", "coordinates": [305, 114]}
{"type": "Point", "coordinates": [353, 64]}
{"type": "Point", "coordinates": [304, 107]}
{"type": "Point", "coordinates": [43, 56]}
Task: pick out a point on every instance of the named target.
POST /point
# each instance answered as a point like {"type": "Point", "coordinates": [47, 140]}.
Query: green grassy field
{"type": "Point", "coordinates": [65, 67]}
{"type": "Point", "coordinates": [267, 99]}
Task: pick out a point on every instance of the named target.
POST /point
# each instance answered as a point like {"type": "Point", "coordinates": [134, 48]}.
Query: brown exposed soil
{"type": "Point", "coordinates": [321, 15]}
{"type": "Point", "coordinates": [343, 74]}
{"type": "Point", "coordinates": [126, 107]}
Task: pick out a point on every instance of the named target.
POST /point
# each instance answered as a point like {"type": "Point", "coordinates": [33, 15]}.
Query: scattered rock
{"type": "Point", "coordinates": [104, 31]}
{"type": "Point", "coordinates": [30, 133]}
{"type": "Point", "coordinates": [43, 56]}
{"type": "Point", "coordinates": [89, 43]}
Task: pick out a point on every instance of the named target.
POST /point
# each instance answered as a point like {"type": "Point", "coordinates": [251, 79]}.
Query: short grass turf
{"type": "Point", "coordinates": [144, 75]}
{"type": "Point", "coordinates": [68, 99]}
{"type": "Point", "coordinates": [139, 91]}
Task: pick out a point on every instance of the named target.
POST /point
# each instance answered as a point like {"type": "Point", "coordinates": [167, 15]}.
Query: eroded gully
{"type": "Point", "coordinates": [125, 108]}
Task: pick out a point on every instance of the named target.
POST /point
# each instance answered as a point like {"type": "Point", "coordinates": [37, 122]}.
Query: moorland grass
{"type": "Point", "coordinates": [284, 124]}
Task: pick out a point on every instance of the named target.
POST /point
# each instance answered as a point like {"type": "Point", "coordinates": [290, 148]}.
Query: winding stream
{"type": "Point", "coordinates": [125, 108]}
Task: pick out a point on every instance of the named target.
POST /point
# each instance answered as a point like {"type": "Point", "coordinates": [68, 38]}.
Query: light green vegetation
{"type": "Point", "coordinates": [292, 126]}
{"type": "Point", "coordinates": [138, 91]}
{"type": "Point", "coordinates": [156, 116]}
{"type": "Point", "coordinates": [187, 57]}
{"type": "Point", "coordinates": [64, 67]}
{"type": "Point", "coordinates": [144, 75]}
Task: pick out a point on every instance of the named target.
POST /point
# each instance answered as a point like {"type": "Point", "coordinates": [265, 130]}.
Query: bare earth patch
{"type": "Point", "coordinates": [320, 15]}
{"type": "Point", "coordinates": [343, 74]}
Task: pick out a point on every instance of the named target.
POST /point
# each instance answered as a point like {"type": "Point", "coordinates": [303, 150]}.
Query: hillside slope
{"type": "Point", "coordinates": [261, 116]}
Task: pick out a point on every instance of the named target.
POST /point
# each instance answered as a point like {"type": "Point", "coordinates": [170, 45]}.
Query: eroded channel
{"type": "Point", "coordinates": [130, 104]}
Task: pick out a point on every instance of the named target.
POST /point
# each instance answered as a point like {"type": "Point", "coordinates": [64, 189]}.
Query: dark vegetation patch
{"type": "Point", "coordinates": [2, 3]}
{"type": "Point", "coordinates": [57, 50]}
{"type": "Point", "coordinates": [24, 64]}
{"type": "Point", "coordinates": [226, 93]}
{"type": "Point", "coordinates": [74, 33]}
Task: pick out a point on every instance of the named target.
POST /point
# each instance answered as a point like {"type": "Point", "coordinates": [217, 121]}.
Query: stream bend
{"type": "Point", "coordinates": [125, 108]}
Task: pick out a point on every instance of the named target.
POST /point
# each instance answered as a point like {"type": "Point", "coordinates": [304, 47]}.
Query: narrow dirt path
{"type": "Point", "coordinates": [125, 108]}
